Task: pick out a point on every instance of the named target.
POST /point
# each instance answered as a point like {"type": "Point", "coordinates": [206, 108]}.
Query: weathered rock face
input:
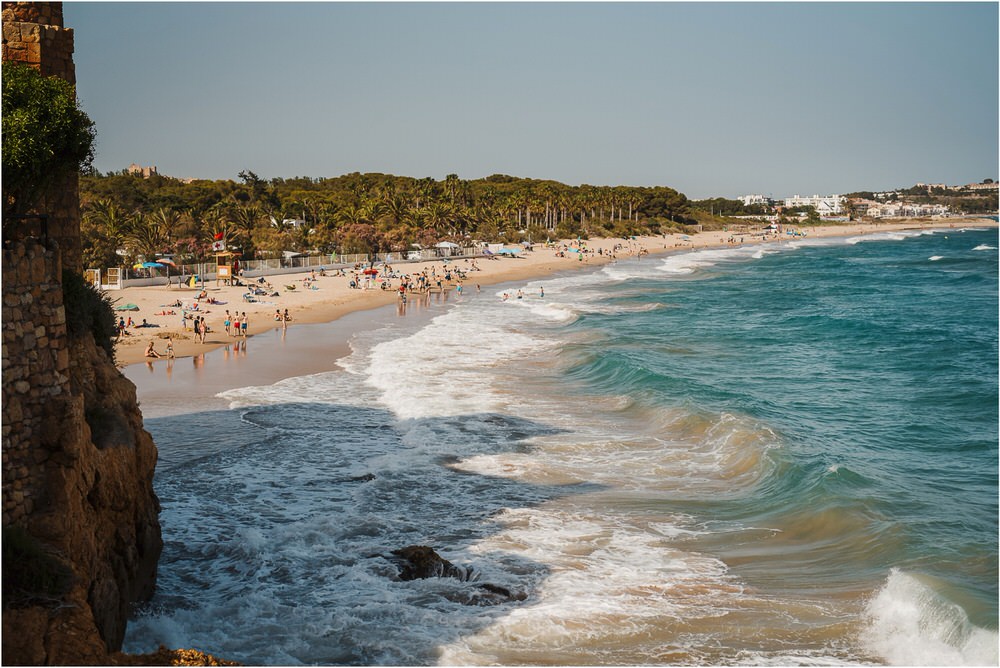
{"type": "Point", "coordinates": [78, 471]}
{"type": "Point", "coordinates": [77, 464]}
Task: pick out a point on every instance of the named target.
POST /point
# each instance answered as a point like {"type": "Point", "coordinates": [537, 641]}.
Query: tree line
{"type": "Point", "coordinates": [126, 217]}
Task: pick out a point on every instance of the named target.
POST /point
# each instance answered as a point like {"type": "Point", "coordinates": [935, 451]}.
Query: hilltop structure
{"type": "Point", "coordinates": [144, 172]}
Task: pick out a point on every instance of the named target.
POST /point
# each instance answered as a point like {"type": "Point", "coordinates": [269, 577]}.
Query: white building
{"type": "Point", "coordinates": [905, 210]}
{"type": "Point", "coordinates": [754, 199]}
{"type": "Point", "coordinates": [825, 206]}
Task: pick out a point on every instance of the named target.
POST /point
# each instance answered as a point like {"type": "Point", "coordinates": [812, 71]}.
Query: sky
{"type": "Point", "coordinates": [710, 98]}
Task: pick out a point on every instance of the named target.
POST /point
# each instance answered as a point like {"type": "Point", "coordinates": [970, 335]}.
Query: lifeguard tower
{"type": "Point", "coordinates": [224, 266]}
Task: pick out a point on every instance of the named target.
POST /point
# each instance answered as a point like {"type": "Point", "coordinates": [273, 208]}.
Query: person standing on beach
{"type": "Point", "coordinates": [244, 324]}
{"type": "Point", "coordinates": [170, 347]}
{"type": "Point", "coordinates": [197, 328]}
{"type": "Point", "coordinates": [236, 324]}
{"type": "Point", "coordinates": [228, 322]}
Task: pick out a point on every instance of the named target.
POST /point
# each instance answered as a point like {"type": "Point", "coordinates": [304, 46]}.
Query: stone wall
{"type": "Point", "coordinates": [77, 464]}
{"type": "Point", "coordinates": [35, 371]}
{"type": "Point", "coordinates": [33, 33]}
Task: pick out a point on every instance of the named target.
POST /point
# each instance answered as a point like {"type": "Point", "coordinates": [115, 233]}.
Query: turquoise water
{"type": "Point", "coordinates": [771, 454]}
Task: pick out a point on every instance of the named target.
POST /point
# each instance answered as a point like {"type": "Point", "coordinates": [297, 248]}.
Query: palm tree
{"type": "Point", "coordinates": [146, 237]}
{"type": "Point", "coordinates": [451, 185]}
{"type": "Point", "coordinates": [168, 220]}
{"type": "Point", "coordinates": [246, 218]}
{"type": "Point", "coordinates": [109, 218]}
{"type": "Point", "coordinates": [440, 215]}
{"type": "Point", "coordinates": [425, 191]}
{"type": "Point", "coordinates": [103, 232]}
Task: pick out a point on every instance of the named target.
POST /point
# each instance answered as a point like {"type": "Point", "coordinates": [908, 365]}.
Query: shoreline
{"type": "Point", "coordinates": [333, 299]}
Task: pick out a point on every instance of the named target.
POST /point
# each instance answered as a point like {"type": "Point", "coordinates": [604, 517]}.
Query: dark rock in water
{"type": "Point", "coordinates": [368, 477]}
{"type": "Point", "coordinates": [503, 592]}
{"type": "Point", "coordinates": [420, 561]}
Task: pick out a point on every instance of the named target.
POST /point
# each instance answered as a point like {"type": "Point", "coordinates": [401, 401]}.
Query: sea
{"type": "Point", "coordinates": [766, 454]}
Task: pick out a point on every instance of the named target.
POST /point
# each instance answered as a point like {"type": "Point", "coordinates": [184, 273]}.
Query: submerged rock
{"type": "Point", "coordinates": [419, 562]}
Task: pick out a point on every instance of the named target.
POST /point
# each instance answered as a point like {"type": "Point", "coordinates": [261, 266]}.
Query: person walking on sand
{"type": "Point", "coordinates": [228, 322]}
{"type": "Point", "coordinates": [197, 328]}
{"type": "Point", "coordinates": [244, 324]}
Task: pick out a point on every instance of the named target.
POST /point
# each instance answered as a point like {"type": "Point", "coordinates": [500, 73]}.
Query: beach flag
{"type": "Point", "coordinates": [219, 246]}
{"type": "Point", "coordinates": [219, 235]}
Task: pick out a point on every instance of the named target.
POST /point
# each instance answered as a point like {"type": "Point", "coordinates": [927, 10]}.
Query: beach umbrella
{"type": "Point", "coordinates": [147, 265]}
{"type": "Point", "coordinates": [167, 262]}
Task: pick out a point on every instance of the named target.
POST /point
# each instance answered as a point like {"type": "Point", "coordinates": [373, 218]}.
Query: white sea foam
{"type": "Point", "coordinates": [910, 624]}
{"type": "Point", "coordinates": [879, 236]}
{"type": "Point", "coordinates": [607, 581]}
{"type": "Point", "coordinates": [445, 368]}
{"type": "Point", "coordinates": [981, 247]}
{"type": "Point", "coordinates": [935, 258]}
{"type": "Point", "coordinates": [688, 263]}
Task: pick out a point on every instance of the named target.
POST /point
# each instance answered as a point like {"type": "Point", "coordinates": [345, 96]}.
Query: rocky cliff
{"type": "Point", "coordinates": [81, 534]}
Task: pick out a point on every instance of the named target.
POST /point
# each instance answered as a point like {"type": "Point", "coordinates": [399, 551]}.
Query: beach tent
{"type": "Point", "coordinates": [446, 248]}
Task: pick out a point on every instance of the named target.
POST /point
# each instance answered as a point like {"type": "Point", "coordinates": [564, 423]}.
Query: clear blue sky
{"type": "Point", "coordinates": [714, 99]}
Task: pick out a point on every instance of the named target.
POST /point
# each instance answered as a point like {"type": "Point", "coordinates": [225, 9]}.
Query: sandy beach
{"type": "Point", "coordinates": [330, 297]}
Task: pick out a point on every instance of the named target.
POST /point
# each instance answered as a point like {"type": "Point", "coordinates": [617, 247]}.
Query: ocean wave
{"type": "Point", "coordinates": [688, 263]}
{"type": "Point", "coordinates": [446, 367]}
{"type": "Point", "coordinates": [982, 247]}
{"type": "Point", "coordinates": [935, 258]}
{"type": "Point", "coordinates": [909, 623]}
{"type": "Point", "coordinates": [879, 236]}
{"type": "Point", "coordinates": [608, 581]}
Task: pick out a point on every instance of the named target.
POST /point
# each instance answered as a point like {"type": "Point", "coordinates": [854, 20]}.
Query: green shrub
{"type": "Point", "coordinates": [89, 310]}
{"type": "Point", "coordinates": [45, 135]}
